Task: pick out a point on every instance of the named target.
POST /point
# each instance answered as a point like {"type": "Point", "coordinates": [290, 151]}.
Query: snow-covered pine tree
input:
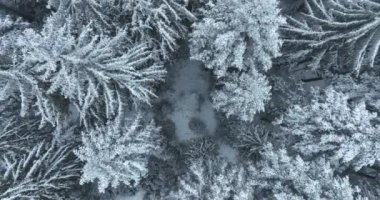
{"type": "Point", "coordinates": [237, 35]}
{"type": "Point", "coordinates": [95, 73]}
{"type": "Point", "coordinates": [338, 35]}
{"type": "Point", "coordinates": [281, 176]}
{"type": "Point", "coordinates": [161, 178]}
{"type": "Point", "coordinates": [200, 148]}
{"type": "Point", "coordinates": [118, 153]}
{"type": "Point", "coordinates": [159, 23]}
{"type": "Point", "coordinates": [336, 127]}
{"type": "Point", "coordinates": [242, 95]}
{"type": "Point", "coordinates": [46, 171]}
{"type": "Point", "coordinates": [249, 138]}
{"type": "Point", "coordinates": [9, 27]}
{"type": "Point", "coordinates": [214, 179]}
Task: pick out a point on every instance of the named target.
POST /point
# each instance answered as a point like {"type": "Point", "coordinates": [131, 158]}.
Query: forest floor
{"type": "Point", "coordinates": [188, 96]}
{"type": "Point", "coordinates": [193, 113]}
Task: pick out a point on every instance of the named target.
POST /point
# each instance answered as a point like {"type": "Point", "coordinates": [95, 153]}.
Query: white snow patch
{"type": "Point", "coordinates": [229, 153]}
{"type": "Point", "coordinates": [183, 111]}
{"type": "Point", "coordinates": [207, 115]}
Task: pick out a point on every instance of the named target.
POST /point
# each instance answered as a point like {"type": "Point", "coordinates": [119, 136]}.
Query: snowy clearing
{"type": "Point", "coordinates": [189, 97]}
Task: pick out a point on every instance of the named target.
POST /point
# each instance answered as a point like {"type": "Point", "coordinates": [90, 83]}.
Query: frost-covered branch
{"type": "Point", "coordinates": [18, 134]}
{"type": "Point", "coordinates": [10, 27]}
{"type": "Point", "coordinates": [339, 35]}
{"type": "Point", "coordinates": [44, 172]}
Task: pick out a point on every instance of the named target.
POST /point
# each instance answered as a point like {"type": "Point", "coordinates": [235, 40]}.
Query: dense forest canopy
{"type": "Point", "coordinates": [189, 99]}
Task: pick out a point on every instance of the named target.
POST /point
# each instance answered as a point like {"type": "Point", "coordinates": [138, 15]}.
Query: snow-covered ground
{"type": "Point", "coordinates": [189, 97]}
{"type": "Point", "coordinates": [228, 153]}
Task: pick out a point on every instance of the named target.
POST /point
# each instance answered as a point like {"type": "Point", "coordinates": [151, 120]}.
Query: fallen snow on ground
{"type": "Point", "coordinates": [189, 97]}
